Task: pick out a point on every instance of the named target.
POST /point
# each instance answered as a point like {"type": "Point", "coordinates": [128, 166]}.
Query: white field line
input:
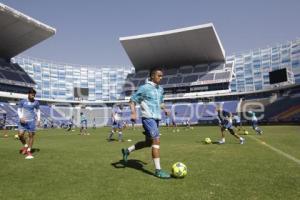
{"type": "Point", "coordinates": [276, 150]}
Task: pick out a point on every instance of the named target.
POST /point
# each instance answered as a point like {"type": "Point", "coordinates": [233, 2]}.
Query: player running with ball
{"type": "Point", "coordinates": [150, 98]}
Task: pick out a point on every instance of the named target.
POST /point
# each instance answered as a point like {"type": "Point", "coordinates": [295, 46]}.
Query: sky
{"type": "Point", "coordinates": [88, 31]}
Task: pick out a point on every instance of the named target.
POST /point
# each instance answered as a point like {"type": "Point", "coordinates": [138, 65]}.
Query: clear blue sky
{"type": "Point", "coordinates": [88, 31]}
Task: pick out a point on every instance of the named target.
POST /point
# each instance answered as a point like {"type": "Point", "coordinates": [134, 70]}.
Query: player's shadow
{"type": "Point", "coordinates": [135, 164]}
{"type": "Point", "coordinates": [35, 150]}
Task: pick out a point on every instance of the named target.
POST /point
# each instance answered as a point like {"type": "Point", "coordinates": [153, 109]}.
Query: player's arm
{"type": "Point", "coordinates": [162, 104]}
{"type": "Point", "coordinates": [133, 111]}
{"type": "Point", "coordinates": [137, 97]}
{"type": "Point", "coordinates": [113, 116]}
{"type": "Point", "coordinates": [163, 107]}
{"type": "Point", "coordinates": [20, 112]}
{"type": "Point", "coordinates": [38, 114]}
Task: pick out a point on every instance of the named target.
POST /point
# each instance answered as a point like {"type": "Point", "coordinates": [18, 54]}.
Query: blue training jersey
{"type": "Point", "coordinates": [237, 119]}
{"type": "Point", "coordinates": [28, 109]}
{"type": "Point", "coordinates": [83, 118]}
{"type": "Point", "coordinates": [150, 97]}
{"type": "Point", "coordinates": [223, 117]}
{"type": "Point", "coordinates": [117, 113]}
{"type": "Point", "coordinates": [253, 116]}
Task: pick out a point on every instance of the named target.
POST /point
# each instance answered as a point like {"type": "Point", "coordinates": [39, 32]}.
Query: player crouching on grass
{"type": "Point", "coordinates": [225, 123]}
{"type": "Point", "coordinates": [150, 97]}
{"type": "Point", "coordinates": [28, 121]}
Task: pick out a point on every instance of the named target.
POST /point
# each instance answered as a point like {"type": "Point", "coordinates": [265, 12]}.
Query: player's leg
{"type": "Point", "coordinates": [85, 128]}
{"type": "Point", "coordinates": [140, 144]}
{"type": "Point", "coordinates": [22, 139]}
{"type": "Point", "coordinates": [154, 132]}
{"type": "Point", "coordinates": [30, 144]}
{"type": "Point", "coordinates": [222, 129]}
{"type": "Point", "coordinates": [120, 133]}
{"type": "Point", "coordinates": [256, 128]}
{"type": "Point", "coordinates": [31, 133]}
{"type": "Point", "coordinates": [231, 131]}
{"type": "Point", "coordinates": [111, 134]}
{"type": "Point", "coordinates": [22, 127]}
{"type": "Point", "coordinates": [81, 128]}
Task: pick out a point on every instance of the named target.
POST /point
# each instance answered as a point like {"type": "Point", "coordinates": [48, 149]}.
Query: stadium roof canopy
{"type": "Point", "coordinates": [184, 46]}
{"type": "Point", "coordinates": [19, 32]}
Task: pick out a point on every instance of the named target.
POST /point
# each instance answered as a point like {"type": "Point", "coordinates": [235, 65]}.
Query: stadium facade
{"type": "Point", "coordinates": [57, 80]}
{"type": "Point", "coordinates": [252, 68]}
{"type": "Point", "coordinates": [251, 73]}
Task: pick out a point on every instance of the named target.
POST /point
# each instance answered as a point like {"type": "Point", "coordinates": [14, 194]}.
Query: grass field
{"type": "Point", "coordinates": [68, 166]}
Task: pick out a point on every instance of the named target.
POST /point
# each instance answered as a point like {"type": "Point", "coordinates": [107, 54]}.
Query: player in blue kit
{"type": "Point", "coordinates": [117, 123]}
{"type": "Point", "coordinates": [237, 123]}
{"type": "Point", "coordinates": [255, 123]}
{"type": "Point", "coordinates": [150, 98]}
{"type": "Point", "coordinates": [29, 116]}
{"type": "Point", "coordinates": [225, 122]}
{"type": "Point", "coordinates": [83, 124]}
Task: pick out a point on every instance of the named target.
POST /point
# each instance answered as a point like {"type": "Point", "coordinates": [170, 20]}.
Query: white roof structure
{"type": "Point", "coordinates": [18, 32]}
{"type": "Point", "coordinates": [185, 46]}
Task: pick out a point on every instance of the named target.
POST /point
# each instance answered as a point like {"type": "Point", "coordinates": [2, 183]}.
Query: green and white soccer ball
{"type": "Point", "coordinates": [207, 140]}
{"type": "Point", "coordinates": [246, 132]}
{"type": "Point", "coordinates": [16, 137]}
{"type": "Point", "coordinates": [179, 170]}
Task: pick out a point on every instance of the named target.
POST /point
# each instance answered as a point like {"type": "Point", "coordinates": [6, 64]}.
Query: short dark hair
{"type": "Point", "coordinates": [154, 70]}
{"type": "Point", "coordinates": [31, 91]}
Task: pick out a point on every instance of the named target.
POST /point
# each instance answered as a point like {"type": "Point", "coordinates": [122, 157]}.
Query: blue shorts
{"type": "Point", "coordinates": [167, 121]}
{"type": "Point", "coordinates": [28, 126]}
{"type": "Point", "coordinates": [118, 124]}
{"type": "Point", "coordinates": [151, 127]}
{"type": "Point", "coordinates": [227, 125]}
{"type": "Point", "coordinates": [83, 124]}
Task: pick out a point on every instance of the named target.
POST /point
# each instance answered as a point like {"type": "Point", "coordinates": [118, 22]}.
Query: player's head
{"type": "Point", "coordinates": [81, 113]}
{"type": "Point", "coordinates": [31, 94]}
{"type": "Point", "coordinates": [156, 74]}
{"type": "Point", "coordinates": [219, 107]}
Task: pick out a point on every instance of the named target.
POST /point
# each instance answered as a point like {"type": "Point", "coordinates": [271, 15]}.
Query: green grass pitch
{"type": "Point", "coordinates": [69, 166]}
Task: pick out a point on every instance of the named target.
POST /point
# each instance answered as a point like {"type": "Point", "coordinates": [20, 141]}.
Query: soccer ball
{"type": "Point", "coordinates": [179, 170]}
{"type": "Point", "coordinates": [207, 140]}
{"type": "Point", "coordinates": [246, 132]}
{"type": "Point", "coordinates": [16, 137]}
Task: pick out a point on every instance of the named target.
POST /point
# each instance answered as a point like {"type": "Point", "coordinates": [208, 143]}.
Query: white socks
{"type": "Point", "coordinates": [157, 163]}
{"type": "Point", "coordinates": [131, 148]}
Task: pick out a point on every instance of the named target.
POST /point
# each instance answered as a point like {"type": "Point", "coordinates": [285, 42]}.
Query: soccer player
{"type": "Point", "coordinates": [188, 123]}
{"type": "Point", "coordinates": [237, 123]}
{"type": "Point", "coordinates": [225, 123]}
{"type": "Point", "coordinates": [70, 124]}
{"type": "Point", "coordinates": [118, 124]}
{"type": "Point", "coordinates": [255, 123]}
{"type": "Point", "coordinates": [133, 122]}
{"type": "Point", "coordinates": [150, 98]}
{"type": "Point", "coordinates": [94, 123]}
{"type": "Point", "coordinates": [27, 111]}
{"type": "Point", "coordinates": [83, 123]}
{"type": "Point", "coordinates": [167, 120]}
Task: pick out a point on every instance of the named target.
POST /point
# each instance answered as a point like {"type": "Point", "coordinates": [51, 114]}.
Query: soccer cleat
{"type": "Point", "coordinates": [125, 153]}
{"type": "Point", "coordinates": [162, 174]}
{"type": "Point", "coordinates": [29, 156]}
{"type": "Point", "coordinates": [242, 140]}
{"type": "Point", "coordinates": [23, 150]}
{"type": "Point", "coordinates": [221, 142]}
